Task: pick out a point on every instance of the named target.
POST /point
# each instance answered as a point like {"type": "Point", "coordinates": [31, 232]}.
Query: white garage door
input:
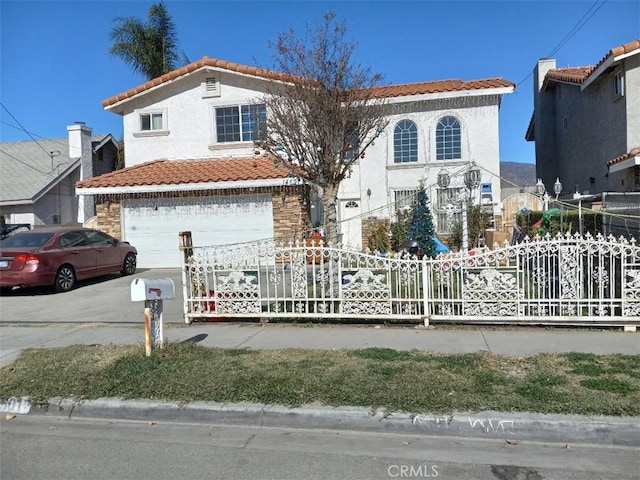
{"type": "Point", "coordinates": [152, 225]}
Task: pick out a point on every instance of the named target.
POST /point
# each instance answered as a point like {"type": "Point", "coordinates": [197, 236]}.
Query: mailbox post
{"type": "Point", "coordinates": [152, 292]}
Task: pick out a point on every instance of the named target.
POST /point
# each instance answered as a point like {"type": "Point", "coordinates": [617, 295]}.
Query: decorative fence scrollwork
{"type": "Point", "coordinates": [567, 279]}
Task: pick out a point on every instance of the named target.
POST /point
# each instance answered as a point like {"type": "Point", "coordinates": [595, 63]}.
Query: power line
{"type": "Point", "coordinates": [576, 28]}
{"type": "Point", "coordinates": [25, 164]}
{"type": "Point", "coordinates": [23, 128]}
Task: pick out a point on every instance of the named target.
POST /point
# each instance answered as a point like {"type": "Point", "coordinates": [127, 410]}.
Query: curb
{"type": "Point", "coordinates": [601, 430]}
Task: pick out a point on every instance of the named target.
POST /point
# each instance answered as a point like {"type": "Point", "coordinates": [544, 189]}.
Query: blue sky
{"type": "Point", "coordinates": [55, 66]}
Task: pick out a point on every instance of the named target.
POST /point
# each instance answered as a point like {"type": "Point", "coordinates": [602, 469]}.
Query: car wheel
{"type": "Point", "coordinates": [5, 290]}
{"type": "Point", "coordinates": [65, 279]}
{"type": "Point", "coordinates": [129, 265]}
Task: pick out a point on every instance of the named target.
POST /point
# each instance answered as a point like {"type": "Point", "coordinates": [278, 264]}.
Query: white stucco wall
{"type": "Point", "coordinates": [190, 119]}
{"type": "Point", "coordinates": [478, 118]}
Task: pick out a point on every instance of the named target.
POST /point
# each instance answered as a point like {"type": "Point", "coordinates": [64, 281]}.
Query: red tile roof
{"type": "Point", "coordinates": [384, 91]}
{"type": "Point", "coordinates": [634, 152]}
{"type": "Point", "coordinates": [570, 74]}
{"type": "Point", "coordinates": [580, 74]}
{"type": "Point", "coordinates": [172, 172]}
{"type": "Point", "coordinates": [439, 86]}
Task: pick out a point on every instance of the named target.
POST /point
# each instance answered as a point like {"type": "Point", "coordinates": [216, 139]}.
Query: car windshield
{"type": "Point", "coordinates": [29, 240]}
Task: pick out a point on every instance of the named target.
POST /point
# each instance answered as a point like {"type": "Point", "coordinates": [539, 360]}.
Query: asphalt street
{"type": "Point", "coordinates": [56, 447]}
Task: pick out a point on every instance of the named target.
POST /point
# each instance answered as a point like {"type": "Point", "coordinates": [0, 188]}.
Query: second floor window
{"type": "Point", "coordinates": [241, 123]}
{"type": "Point", "coordinates": [405, 142]}
{"type": "Point", "coordinates": [150, 122]}
{"type": "Point", "coordinates": [448, 139]}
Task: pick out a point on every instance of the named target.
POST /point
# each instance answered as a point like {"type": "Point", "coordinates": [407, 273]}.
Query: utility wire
{"type": "Point", "coordinates": [576, 28]}
{"type": "Point", "coordinates": [24, 129]}
{"type": "Point", "coordinates": [26, 164]}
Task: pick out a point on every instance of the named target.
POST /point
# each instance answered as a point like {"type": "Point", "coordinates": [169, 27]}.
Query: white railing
{"type": "Point", "coordinates": [567, 279]}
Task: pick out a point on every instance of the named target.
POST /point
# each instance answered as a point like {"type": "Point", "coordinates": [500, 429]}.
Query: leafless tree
{"type": "Point", "coordinates": [324, 113]}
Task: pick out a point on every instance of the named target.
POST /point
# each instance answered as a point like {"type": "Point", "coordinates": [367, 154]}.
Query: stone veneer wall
{"type": "Point", "coordinates": [290, 218]}
{"type": "Point", "coordinates": [289, 214]}
{"type": "Point", "coordinates": [108, 218]}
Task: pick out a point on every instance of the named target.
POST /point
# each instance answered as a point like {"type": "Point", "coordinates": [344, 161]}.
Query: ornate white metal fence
{"type": "Point", "coordinates": [562, 280]}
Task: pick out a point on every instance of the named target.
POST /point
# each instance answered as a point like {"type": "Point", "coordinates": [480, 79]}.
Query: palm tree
{"type": "Point", "coordinates": [150, 48]}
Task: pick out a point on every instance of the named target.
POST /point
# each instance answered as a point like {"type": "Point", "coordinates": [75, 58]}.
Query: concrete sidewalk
{"type": "Point", "coordinates": [522, 341]}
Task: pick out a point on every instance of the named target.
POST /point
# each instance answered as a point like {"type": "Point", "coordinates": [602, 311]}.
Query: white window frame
{"type": "Point", "coordinates": [618, 84]}
{"type": "Point", "coordinates": [151, 132]}
{"type": "Point", "coordinates": [215, 124]}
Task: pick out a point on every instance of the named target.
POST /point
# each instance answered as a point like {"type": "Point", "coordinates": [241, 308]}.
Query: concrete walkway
{"type": "Point", "coordinates": [521, 341]}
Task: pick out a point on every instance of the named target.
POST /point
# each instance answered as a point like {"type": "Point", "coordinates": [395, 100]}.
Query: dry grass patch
{"type": "Point", "coordinates": [413, 381]}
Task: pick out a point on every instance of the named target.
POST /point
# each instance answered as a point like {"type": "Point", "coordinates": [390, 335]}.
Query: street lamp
{"type": "Point", "coordinates": [541, 191]}
{"type": "Point", "coordinates": [472, 179]}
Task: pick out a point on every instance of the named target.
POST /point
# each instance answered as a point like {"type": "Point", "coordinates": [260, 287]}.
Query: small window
{"type": "Point", "coordinates": [405, 199]}
{"type": "Point", "coordinates": [559, 90]}
{"type": "Point", "coordinates": [618, 84]}
{"type": "Point", "coordinates": [151, 122]}
{"type": "Point", "coordinates": [565, 123]}
{"type": "Point", "coordinates": [351, 204]}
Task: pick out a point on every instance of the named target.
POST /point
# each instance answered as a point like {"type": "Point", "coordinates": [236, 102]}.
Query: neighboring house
{"type": "Point", "coordinates": [586, 123]}
{"type": "Point", "coordinates": [191, 162]}
{"type": "Point", "coordinates": [38, 177]}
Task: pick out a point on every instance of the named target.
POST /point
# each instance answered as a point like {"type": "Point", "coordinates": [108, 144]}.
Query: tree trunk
{"type": "Point", "coordinates": [329, 202]}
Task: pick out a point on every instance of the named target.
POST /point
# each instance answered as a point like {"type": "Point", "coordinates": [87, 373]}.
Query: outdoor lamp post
{"type": "Point", "coordinates": [557, 187]}
{"type": "Point", "coordinates": [541, 191]}
{"type": "Point", "coordinates": [471, 181]}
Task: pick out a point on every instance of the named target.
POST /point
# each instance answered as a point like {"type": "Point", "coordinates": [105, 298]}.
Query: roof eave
{"type": "Point", "coordinates": [625, 164]}
{"type": "Point", "coordinates": [452, 94]}
{"type": "Point", "coordinates": [608, 63]}
{"type": "Point", "coordinates": [189, 187]}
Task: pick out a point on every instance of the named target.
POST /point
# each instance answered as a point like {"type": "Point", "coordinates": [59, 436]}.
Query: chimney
{"type": "Point", "coordinates": [80, 148]}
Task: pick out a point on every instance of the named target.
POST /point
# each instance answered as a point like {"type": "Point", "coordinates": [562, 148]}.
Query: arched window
{"type": "Point", "coordinates": [405, 142]}
{"type": "Point", "coordinates": [448, 143]}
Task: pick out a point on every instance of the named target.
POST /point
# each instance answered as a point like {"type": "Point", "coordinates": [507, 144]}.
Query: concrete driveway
{"type": "Point", "coordinates": [104, 299]}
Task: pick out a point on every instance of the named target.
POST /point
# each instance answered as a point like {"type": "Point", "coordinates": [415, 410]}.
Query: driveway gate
{"type": "Point", "coordinates": [561, 280]}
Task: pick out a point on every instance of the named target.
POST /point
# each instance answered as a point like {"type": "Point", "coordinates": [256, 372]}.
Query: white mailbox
{"type": "Point", "coordinates": [143, 289]}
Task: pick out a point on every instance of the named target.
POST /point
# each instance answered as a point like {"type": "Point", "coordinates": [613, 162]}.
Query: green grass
{"type": "Point", "coordinates": [412, 381]}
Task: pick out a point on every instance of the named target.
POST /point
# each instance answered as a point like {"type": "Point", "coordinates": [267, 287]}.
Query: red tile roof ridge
{"type": "Point", "coordinates": [620, 50]}
{"type": "Point", "coordinates": [580, 74]}
{"type": "Point", "coordinates": [269, 74]}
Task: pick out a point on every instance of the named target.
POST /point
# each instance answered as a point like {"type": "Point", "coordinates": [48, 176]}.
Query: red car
{"type": "Point", "coordinates": [61, 256]}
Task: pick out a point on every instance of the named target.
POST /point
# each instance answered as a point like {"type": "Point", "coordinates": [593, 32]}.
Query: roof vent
{"type": "Point", "coordinates": [211, 87]}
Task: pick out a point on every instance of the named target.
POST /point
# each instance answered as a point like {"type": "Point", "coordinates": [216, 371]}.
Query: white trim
{"type": "Point", "coordinates": [481, 92]}
{"type": "Point", "coordinates": [623, 165]}
{"type": "Point", "coordinates": [188, 187]}
{"type": "Point", "coordinates": [602, 68]}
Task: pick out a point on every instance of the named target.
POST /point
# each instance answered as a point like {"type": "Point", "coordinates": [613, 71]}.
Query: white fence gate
{"type": "Point", "coordinates": [567, 280]}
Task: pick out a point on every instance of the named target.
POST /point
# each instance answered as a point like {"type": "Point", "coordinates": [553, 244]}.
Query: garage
{"type": "Point", "coordinates": [152, 224]}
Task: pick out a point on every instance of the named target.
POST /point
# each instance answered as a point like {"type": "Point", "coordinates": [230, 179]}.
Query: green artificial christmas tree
{"type": "Point", "coordinates": [421, 228]}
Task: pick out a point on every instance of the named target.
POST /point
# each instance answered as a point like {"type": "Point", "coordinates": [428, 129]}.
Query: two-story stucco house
{"type": "Point", "coordinates": [586, 123]}
{"type": "Point", "coordinates": [191, 163]}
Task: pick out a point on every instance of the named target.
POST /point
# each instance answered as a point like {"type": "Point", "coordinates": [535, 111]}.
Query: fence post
{"type": "Point", "coordinates": [186, 247]}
